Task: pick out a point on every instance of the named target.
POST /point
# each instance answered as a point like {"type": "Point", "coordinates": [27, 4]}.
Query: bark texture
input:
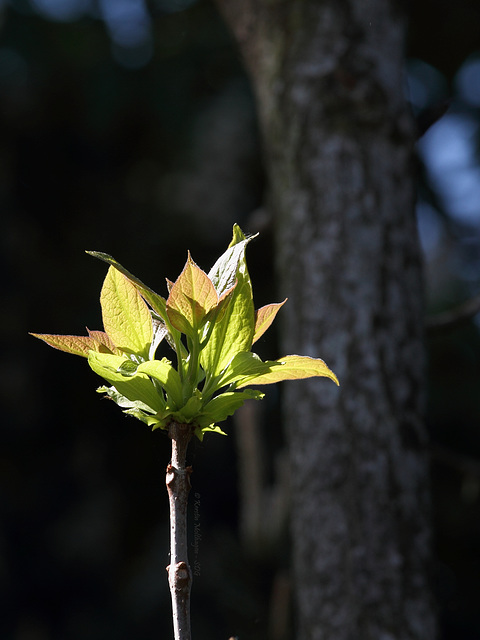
{"type": "Point", "coordinates": [338, 140]}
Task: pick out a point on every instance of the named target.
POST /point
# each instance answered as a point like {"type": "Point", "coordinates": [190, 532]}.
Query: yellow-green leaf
{"type": "Point", "coordinates": [233, 331]}
{"type": "Point", "coordinates": [224, 405]}
{"type": "Point", "coordinates": [126, 317]}
{"type": "Point", "coordinates": [212, 428]}
{"type": "Point", "coordinates": [166, 375]}
{"type": "Point", "coordinates": [157, 302]}
{"type": "Point", "coordinates": [154, 300]}
{"type": "Point", "coordinates": [244, 364]}
{"type": "Point", "coordinates": [191, 297]}
{"type": "Point", "coordinates": [136, 387]}
{"type": "Point", "coordinates": [291, 368]}
{"type": "Point", "coordinates": [264, 318]}
{"type": "Point", "coordinates": [224, 272]}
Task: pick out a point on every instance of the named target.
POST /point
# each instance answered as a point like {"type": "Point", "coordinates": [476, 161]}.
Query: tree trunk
{"type": "Point", "coordinates": [338, 143]}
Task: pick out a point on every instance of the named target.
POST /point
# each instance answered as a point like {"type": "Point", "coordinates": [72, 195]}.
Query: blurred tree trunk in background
{"type": "Point", "coordinates": [338, 144]}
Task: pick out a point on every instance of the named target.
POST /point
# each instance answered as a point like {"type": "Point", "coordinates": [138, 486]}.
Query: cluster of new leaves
{"type": "Point", "coordinates": [211, 324]}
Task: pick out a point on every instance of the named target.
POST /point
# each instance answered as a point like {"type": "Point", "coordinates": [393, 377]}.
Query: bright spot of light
{"type": "Point", "coordinates": [467, 80]}
{"type": "Point", "coordinates": [62, 10]}
{"type": "Point", "coordinates": [128, 21]}
{"type": "Point", "coordinates": [449, 152]}
{"type": "Point", "coordinates": [129, 25]}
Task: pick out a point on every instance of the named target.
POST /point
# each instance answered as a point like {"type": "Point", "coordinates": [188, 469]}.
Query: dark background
{"type": "Point", "coordinates": [131, 129]}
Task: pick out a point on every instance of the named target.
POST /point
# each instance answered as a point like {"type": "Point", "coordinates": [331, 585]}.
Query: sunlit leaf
{"type": "Point", "coordinates": [126, 317]}
{"type": "Point", "coordinates": [127, 368]}
{"type": "Point", "coordinates": [77, 345]}
{"type": "Point", "coordinates": [224, 405]}
{"type": "Point", "coordinates": [243, 364]}
{"type": "Point", "coordinates": [234, 332]}
{"type": "Point", "coordinates": [122, 401]}
{"type": "Point", "coordinates": [160, 331]}
{"type": "Point", "coordinates": [104, 343]}
{"type": "Point", "coordinates": [291, 368]}
{"type": "Point", "coordinates": [224, 272]}
{"type": "Point", "coordinates": [154, 299]}
{"type": "Point", "coordinates": [191, 297]}
{"type": "Point", "coordinates": [264, 318]}
{"type": "Point", "coordinates": [213, 428]}
{"type": "Point", "coordinates": [151, 421]}
{"type": "Point", "coordinates": [166, 375]}
{"type": "Point", "coordinates": [216, 313]}
{"type": "Point", "coordinates": [137, 387]}
{"type": "Point", "coordinates": [190, 410]}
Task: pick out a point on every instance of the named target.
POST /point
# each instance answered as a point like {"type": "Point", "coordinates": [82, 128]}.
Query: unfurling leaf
{"type": "Point", "coordinates": [191, 297]}
{"type": "Point", "coordinates": [126, 317]}
{"type": "Point", "coordinates": [224, 272]}
{"type": "Point", "coordinates": [224, 405]}
{"type": "Point", "coordinates": [133, 387]}
{"type": "Point", "coordinates": [154, 300]}
{"type": "Point", "coordinates": [163, 372]}
{"type": "Point", "coordinates": [234, 332]}
{"type": "Point", "coordinates": [160, 331]}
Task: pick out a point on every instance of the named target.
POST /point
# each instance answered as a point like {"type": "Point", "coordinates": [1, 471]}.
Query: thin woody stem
{"type": "Point", "coordinates": [179, 572]}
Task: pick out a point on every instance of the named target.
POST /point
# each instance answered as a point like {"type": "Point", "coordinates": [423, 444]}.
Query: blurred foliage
{"type": "Point", "coordinates": [137, 136]}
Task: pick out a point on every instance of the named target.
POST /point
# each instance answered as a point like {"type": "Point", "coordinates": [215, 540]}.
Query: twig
{"type": "Point", "coordinates": [179, 572]}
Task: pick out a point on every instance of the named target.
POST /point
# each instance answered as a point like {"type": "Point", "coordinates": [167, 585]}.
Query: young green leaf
{"type": "Point", "coordinates": [133, 387]}
{"type": "Point", "coordinates": [213, 428]}
{"type": "Point", "coordinates": [191, 297]}
{"type": "Point", "coordinates": [234, 331]}
{"type": "Point", "coordinates": [126, 317]}
{"type": "Point", "coordinates": [224, 405]}
{"type": "Point", "coordinates": [124, 402]}
{"type": "Point", "coordinates": [160, 331]}
{"type": "Point", "coordinates": [151, 421]}
{"type": "Point", "coordinates": [164, 373]}
{"type": "Point", "coordinates": [224, 272]}
{"type": "Point", "coordinates": [243, 364]}
{"type": "Point", "coordinates": [156, 301]}
{"type": "Point", "coordinates": [290, 368]}
{"type": "Point", "coordinates": [190, 410]}
{"type": "Point", "coordinates": [216, 313]}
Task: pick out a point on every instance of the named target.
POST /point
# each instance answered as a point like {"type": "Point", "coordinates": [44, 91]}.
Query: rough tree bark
{"type": "Point", "coordinates": [338, 141]}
